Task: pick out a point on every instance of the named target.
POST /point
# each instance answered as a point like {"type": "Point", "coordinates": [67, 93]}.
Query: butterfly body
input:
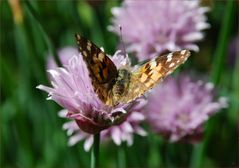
{"type": "Point", "coordinates": [121, 84]}
{"type": "Point", "coordinates": [114, 86]}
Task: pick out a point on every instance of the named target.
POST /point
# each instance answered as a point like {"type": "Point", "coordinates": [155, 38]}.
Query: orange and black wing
{"type": "Point", "coordinates": [101, 69]}
{"type": "Point", "coordinates": [152, 72]}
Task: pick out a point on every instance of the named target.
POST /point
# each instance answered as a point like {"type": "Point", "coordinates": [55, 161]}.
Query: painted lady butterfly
{"type": "Point", "coordinates": [122, 86]}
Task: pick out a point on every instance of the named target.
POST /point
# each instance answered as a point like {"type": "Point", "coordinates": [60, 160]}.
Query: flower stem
{"type": "Point", "coordinates": [219, 58]}
{"type": "Point", "coordinates": [42, 29]}
{"type": "Point", "coordinates": [95, 151]}
{"type": "Point", "coordinates": [199, 154]}
{"type": "Point", "coordinates": [121, 157]}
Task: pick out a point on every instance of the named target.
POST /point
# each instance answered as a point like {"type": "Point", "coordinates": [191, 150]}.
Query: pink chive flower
{"type": "Point", "coordinates": [119, 133]}
{"type": "Point", "coordinates": [152, 27]}
{"type": "Point", "coordinates": [179, 106]}
{"type": "Point", "coordinates": [72, 89]}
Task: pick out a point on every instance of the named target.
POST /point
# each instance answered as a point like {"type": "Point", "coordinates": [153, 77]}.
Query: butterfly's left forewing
{"type": "Point", "coordinates": [151, 73]}
{"type": "Point", "coordinates": [101, 69]}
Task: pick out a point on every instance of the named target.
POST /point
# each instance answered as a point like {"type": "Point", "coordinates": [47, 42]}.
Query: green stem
{"type": "Point", "coordinates": [217, 70]}
{"type": "Point", "coordinates": [154, 158]}
{"type": "Point", "coordinates": [121, 157]}
{"type": "Point", "coordinates": [45, 35]}
{"type": "Point", "coordinates": [95, 151]}
{"type": "Point", "coordinates": [196, 158]}
{"type": "Point", "coordinates": [219, 57]}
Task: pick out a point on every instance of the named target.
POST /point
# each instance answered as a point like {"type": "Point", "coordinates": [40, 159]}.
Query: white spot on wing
{"type": "Point", "coordinates": [171, 65]}
{"type": "Point", "coordinates": [88, 47]}
{"type": "Point", "coordinates": [183, 52]}
{"type": "Point", "coordinates": [169, 57]}
{"type": "Point", "coordinates": [169, 72]}
{"type": "Point", "coordinates": [89, 43]}
{"type": "Point", "coordinates": [153, 64]}
{"type": "Point", "coordinates": [84, 53]}
{"type": "Point", "coordinates": [101, 56]}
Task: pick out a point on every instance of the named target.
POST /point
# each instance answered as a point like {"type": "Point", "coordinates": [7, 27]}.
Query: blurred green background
{"type": "Point", "coordinates": [31, 131]}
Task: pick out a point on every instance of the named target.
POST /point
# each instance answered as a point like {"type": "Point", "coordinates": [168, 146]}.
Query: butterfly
{"type": "Point", "coordinates": [115, 86]}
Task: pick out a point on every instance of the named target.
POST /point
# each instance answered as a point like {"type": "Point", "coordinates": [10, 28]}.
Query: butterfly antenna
{"type": "Point", "coordinates": [121, 39]}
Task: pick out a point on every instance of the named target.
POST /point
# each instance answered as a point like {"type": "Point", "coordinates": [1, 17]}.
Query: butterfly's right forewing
{"type": "Point", "coordinates": [151, 73]}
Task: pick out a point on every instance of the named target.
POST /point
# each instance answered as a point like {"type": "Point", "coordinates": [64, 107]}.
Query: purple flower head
{"type": "Point", "coordinates": [72, 89]}
{"type": "Point", "coordinates": [118, 133]}
{"type": "Point", "coordinates": [153, 27]}
{"type": "Point", "coordinates": [178, 108]}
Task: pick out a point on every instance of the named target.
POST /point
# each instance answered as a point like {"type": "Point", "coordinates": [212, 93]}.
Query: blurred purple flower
{"type": "Point", "coordinates": [72, 89]}
{"type": "Point", "coordinates": [64, 55]}
{"type": "Point", "coordinates": [119, 133]}
{"type": "Point", "coordinates": [153, 27]}
{"type": "Point", "coordinates": [178, 108]}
